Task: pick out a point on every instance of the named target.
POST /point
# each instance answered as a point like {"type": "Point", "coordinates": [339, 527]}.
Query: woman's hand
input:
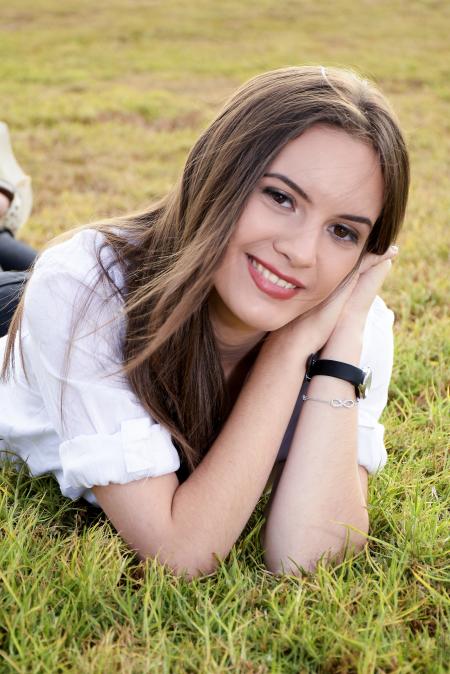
{"type": "Point", "coordinates": [349, 306]}
{"type": "Point", "coordinates": [369, 279]}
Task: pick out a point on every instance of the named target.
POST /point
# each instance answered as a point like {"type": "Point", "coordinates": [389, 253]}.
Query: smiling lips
{"type": "Point", "coordinates": [271, 282]}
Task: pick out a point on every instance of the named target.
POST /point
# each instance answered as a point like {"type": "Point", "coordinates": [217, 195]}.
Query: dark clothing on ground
{"type": "Point", "coordinates": [16, 258]}
{"type": "Point", "coordinates": [11, 284]}
{"type": "Point", "coordinates": [14, 255]}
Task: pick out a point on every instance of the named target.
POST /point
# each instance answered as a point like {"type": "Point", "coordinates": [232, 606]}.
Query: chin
{"type": "Point", "coordinates": [264, 323]}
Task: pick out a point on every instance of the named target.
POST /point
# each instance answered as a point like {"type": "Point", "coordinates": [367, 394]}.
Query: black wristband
{"type": "Point", "coordinates": [334, 368]}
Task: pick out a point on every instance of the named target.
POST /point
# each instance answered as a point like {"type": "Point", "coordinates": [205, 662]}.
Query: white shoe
{"type": "Point", "coordinates": [15, 184]}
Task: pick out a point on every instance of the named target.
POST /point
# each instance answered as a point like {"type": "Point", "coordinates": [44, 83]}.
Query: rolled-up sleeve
{"type": "Point", "coordinates": [140, 449]}
{"type": "Point", "coordinates": [378, 354]}
{"type": "Point", "coordinates": [105, 434]}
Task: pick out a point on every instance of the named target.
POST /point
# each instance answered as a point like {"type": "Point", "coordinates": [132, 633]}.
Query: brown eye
{"type": "Point", "coordinates": [344, 233]}
{"type": "Point", "coordinates": [340, 231]}
{"type": "Point", "coordinates": [278, 197]}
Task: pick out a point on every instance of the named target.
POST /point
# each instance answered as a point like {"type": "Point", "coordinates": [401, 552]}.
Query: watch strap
{"type": "Point", "coordinates": [335, 368]}
{"type": "Point", "coordinates": [360, 379]}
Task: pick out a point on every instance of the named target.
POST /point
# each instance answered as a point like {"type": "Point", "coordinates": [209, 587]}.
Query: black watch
{"type": "Point", "coordinates": [361, 379]}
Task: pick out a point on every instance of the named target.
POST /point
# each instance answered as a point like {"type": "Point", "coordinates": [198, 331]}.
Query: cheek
{"type": "Point", "coordinates": [229, 261]}
{"type": "Point", "coordinates": [253, 225]}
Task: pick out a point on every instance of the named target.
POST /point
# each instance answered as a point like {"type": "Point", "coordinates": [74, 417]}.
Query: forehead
{"type": "Point", "coordinates": [328, 163]}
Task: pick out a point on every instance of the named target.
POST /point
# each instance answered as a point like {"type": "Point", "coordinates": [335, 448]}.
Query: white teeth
{"type": "Point", "coordinates": [284, 284]}
{"type": "Point", "coordinates": [276, 280]}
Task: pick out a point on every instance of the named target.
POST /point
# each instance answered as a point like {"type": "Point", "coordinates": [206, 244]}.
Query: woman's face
{"type": "Point", "coordinates": [305, 223]}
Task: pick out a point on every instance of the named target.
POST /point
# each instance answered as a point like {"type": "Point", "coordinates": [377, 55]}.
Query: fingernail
{"type": "Point", "coordinates": [394, 249]}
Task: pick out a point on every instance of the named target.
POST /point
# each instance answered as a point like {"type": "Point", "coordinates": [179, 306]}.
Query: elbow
{"type": "Point", "coordinates": [191, 571]}
{"type": "Point", "coordinates": [297, 564]}
{"type": "Point", "coordinates": [188, 569]}
{"type": "Point", "coordinates": [305, 560]}
{"type": "Point", "coordinates": [302, 565]}
{"type": "Point", "coordinates": [178, 555]}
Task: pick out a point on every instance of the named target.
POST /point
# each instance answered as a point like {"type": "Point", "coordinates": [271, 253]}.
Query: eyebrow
{"type": "Point", "coordinates": [290, 183]}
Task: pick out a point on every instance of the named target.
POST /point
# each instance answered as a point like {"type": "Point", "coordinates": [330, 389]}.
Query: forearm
{"type": "Point", "coordinates": [210, 509]}
{"type": "Point", "coordinates": [185, 526]}
{"type": "Point", "coordinates": [320, 484]}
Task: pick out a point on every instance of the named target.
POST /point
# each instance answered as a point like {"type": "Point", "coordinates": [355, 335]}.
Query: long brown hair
{"type": "Point", "coordinates": [169, 253]}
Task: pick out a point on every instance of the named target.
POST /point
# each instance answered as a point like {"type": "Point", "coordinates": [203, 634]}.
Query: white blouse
{"type": "Point", "coordinates": [104, 434]}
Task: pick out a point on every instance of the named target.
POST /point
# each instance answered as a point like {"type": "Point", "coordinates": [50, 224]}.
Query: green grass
{"type": "Point", "coordinates": [104, 100]}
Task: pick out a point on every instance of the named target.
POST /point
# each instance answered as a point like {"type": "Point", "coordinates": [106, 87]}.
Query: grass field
{"type": "Point", "coordinates": [104, 100]}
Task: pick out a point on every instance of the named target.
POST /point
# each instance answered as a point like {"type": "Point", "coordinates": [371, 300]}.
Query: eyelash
{"type": "Point", "coordinates": [273, 193]}
{"type": "Point", "coordinates": [354, 236]}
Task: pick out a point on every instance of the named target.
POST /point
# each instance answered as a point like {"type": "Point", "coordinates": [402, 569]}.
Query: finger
{"type": "Point", "coordinates": [369, 285]}
{"type": "Point", "coordinates": [370, 259]}
{"type": "Point", "coordinates": [378, 274]}
{"type": "Point", "coordinates": [391, 252]}
{"type": "Point", "coordinates": [345, 290]}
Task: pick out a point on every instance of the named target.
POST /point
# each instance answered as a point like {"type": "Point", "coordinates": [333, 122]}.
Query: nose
{"type": "Point", "coordinates": [300, 246]}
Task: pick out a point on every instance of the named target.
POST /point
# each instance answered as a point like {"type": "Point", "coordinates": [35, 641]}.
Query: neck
{"type": "Point", "coordinates": [233, 354]}
{"type": "Point", "coordinates": [234, 340]}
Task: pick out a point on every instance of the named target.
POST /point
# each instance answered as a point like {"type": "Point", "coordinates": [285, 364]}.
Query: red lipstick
{"type": "Point", "coordinates": [266, 286]}
{"type": "Point", "coordinates": [268, 266]}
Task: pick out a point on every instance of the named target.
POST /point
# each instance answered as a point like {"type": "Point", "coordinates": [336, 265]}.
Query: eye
{"type": "Point", "coordinates": [278, 197]}
{"type": "Point", "coordinates": [344, 233]}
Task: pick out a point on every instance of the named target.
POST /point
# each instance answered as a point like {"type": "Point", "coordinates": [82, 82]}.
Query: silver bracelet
{"type": "Point", "coordinates": [334, 402]}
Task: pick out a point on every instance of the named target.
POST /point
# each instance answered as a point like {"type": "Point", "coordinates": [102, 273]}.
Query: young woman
{"type": "Point", "coordinates": [155, 363]}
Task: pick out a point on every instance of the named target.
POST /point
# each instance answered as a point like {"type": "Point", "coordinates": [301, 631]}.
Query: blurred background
{"type": "Point", "coordinates": [105, 98]}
